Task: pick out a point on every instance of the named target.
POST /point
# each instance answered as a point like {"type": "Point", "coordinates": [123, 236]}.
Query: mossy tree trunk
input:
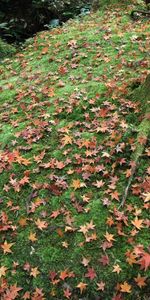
{"type": "Point", "coordinates": [141, 94]}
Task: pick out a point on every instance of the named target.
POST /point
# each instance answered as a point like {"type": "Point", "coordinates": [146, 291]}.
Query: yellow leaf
{"type": "Point", "coordinates": [32, 237]}
{"type": "Point", "coordinates": [34, 272]}
{"type": "Point", "coordinates": [3, 270]}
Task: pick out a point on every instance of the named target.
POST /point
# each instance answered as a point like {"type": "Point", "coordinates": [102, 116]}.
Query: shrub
{"type": "Point", "coordinates": [6, 50]}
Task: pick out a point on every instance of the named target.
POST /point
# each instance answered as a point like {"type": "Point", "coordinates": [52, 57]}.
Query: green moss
{"type": "Point", "coordinates": [102, 79]}
{"type": "Point", "coordinates": [6, 50]}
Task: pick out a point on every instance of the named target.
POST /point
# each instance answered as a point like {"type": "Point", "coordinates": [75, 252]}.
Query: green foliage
{"type": "Point", "coordinates": [21, 19]}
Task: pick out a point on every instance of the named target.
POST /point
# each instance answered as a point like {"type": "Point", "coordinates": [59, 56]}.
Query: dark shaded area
{"type": "Point", "coordinates": [21, 19]}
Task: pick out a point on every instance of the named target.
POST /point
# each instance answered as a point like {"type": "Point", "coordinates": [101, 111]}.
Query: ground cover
{"type": "Point", "coordinates": [68, 131]}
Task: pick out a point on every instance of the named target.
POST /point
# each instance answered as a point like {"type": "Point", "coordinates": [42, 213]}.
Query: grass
{"type": "Point", "coordinates": [76, 82]}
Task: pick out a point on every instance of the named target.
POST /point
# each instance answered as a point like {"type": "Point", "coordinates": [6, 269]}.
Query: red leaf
{"type": "Point", "coordinates": [144, 261]}
{"type": "Point", "coordinates": [91, 273]}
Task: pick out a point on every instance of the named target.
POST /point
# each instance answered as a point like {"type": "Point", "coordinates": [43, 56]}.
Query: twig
{"type": "Point", "coordinates": [128, 186]}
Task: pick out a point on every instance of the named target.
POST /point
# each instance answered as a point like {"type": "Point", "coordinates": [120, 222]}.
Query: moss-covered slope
{"type": "Point", "coordinates": [67, 134]}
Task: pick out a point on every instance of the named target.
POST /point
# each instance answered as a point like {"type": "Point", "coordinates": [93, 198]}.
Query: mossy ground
{"type": "Point", "coordinates": [74, 82]}
{"type": "Point", "coordinates": [6, 50]}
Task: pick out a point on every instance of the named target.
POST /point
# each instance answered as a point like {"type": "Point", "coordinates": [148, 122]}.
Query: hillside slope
{"type": "Point", "coordinates": [68, 131]}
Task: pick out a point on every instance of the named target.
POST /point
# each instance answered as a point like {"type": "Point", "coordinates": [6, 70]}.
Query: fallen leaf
{"type": "Point", "coordinates": [101, 286]}
{"type": "Point", "coordinates": [3, 270]}
{"type": "Point", "coordinates": [125, 287]}
{"type": "Point", "coordinates": [90, 274]}
{"type": "Point", "coordinates": [82, 286]}
{"type": "Point", "coordinates": [41, 224]}
{"type": "Point", "coordinates": [117, 269]}
{"type": "Point", "coordinates": [34, 272]}
{"type": "Point", "coordinates": [67, 293]}
{"type": "Point", "coordinates": [32, 237]}
{"type": "Point", "coordinates": [144, 261]}
{"type": "Point", "coordinates": [6, 247]}
{"type": "Point", "coordinates": [140, 280]}
{"type": "Point", "coordinates": [137, 223]}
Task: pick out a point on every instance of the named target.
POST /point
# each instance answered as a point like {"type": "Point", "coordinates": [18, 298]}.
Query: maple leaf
{"type": "Point", "coordinates": [125, 287]}
{"type": "Point", "coordinates": [131, 259]}
{"type": "Point", "coordinates": [51, 92]}
{"type": "Point", "coordinates": [23, 222]}
{"type": "Point", "coordinates": [101, 286]}
{"type": "Point", "coordinates": [83, 229]}
{"type": "Point", "coordinates": [44, 50]}
{"type": "Point", "coordinates": [109, 237]}
{"type": "Point", "coordinates": [32, 237]}
{"type": "Point", "coordinates": [26, 295]}
{"type": "Point", "coordinates": [76, 184]}
{"type": "Point", "coordinates": [104, 260]}
{"type": "Point", "coordinates": [3, 270]}
{"type": "Point", "coordinates": [115, 195]}
{"type": "Point", "coordinates": [90, 225]}
{"type": "Point", "coordinates": [144, 261]}
{"type": "Point", "coordinates": [147, 197]}
{"type": "Point", "coordinates": [12, 292]}
{"type": "Point", "coordinates": [99, 183]}
{"type": "Point", "coordinates": [66, 140]}
{"type": "Point", "coordinates": [90, 274]}
{"type": "Point", "coordinates": [85, 261]}
{"type": "Point", "coordinates": [140, 280]}
{"type": "Point", "coordinates": [63, 274]}
{"type": "Point", "coordinates": [82, 286]}
{"type": "Point", "coordinates": [65, 244]}
{"type": "Point", "coordinates": [34, 272]}
{"type": "Point", "coordinates": [137, 223]}
{"type": "Point", "coordinates": [59, 165]}
{"type": "Point", "coordinates": [24, 180]}
{"type": "Point", "coordinates": [55, 214]}
{"type": "Point", "coordinates": [41, 224]}
{"type": "Point", "coordinates": [6, 247]}
{"type": "Point", "coordinates": [117, 297]}
{"type": "Point", "coordinates": [117, 269]}
{"type": "Point", "coordinates": [110, 221]}
{"type": "Point", "coordinates": [67, 293]}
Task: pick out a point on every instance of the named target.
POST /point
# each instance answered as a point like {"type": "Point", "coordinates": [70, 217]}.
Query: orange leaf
{"type": "Point", "coordinates": [41, 224]}
{"type": "Point", "coordinates": [23, 222]}
{"type": "Point", "coordinates": [109, 237]}
{"type": "Point", "coordinates": [137, 223]}
{"type": "Point", "coordinates": [82, 286]}
{"type": "Point", "coordinates": [125, 287]}
{"type": "Point", "coordinates": [63, 274]}
{"type": "Point", "coordinates": [45, 50]}
{"type": "Point", "coordinates": [140, 280]}
{"type": "Point", "coordinates": [6, 247]}
{"type": "Point", "coordinates": [32, 237]}
{"type": "Point", "coordinates": [66, 140]}
{"type": "Point", "coordinates": [76, 184]}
